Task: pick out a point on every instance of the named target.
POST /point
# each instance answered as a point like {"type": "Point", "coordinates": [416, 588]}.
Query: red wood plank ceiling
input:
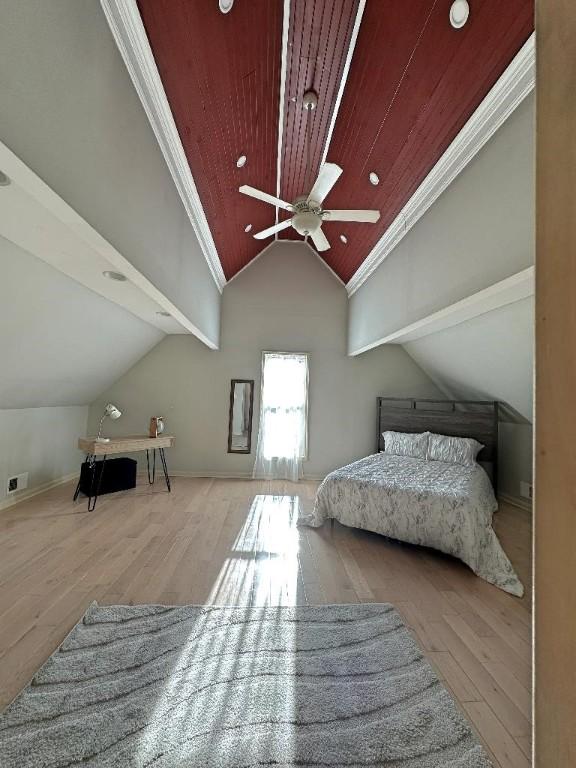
{"type": "Point", "coordinates": [413, 83]}
{"type": "Point", "coordinates": [221, 75]}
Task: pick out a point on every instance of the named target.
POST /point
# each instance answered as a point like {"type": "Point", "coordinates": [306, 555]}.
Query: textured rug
{"type": "Point", "coordinates": [342, 685]}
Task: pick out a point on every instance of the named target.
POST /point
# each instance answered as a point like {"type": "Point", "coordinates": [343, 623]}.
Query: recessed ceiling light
{"type": "Point", "coordinates": [162, 313]}
{"type": "Point", "coordinates": [459, 12]}
{"type": "Point", "coordinates": [115, 276]}
{"type": "Point", "coordinates": [241, 162]}
{"type": "Point", "coordinates": [225, 5]}
{"type": "Point", "coordinates": [4, 180]}
{"type": "Point", "coordinates": [248, 227]}
{"type": "Point", "coordinates": [344, 239]}
{"type": "Point", "coordinates": [374, 178]}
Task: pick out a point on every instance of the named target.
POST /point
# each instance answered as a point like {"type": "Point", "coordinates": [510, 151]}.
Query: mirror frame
{"type": "Point", "coordinates": [233, 383]}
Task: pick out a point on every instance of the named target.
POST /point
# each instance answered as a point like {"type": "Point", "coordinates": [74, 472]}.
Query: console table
{"type": "Point", "coordinates": [133, 444]}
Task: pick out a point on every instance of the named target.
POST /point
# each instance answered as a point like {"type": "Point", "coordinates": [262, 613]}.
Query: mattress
{"type": "Point", "coordinates": [431, 503]}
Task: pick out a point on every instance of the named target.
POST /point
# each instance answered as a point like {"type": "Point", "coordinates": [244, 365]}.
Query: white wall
{"type": "Point", "coordinates": [60, 343]}
{"type": "Point", "coordinates": [490, 357]}
{"type": "Point", "coordinates": [478, 232]}
{"type": "Point", "coordinates": [41, 441]}
{"type": "Point", "coordinates": [287, 301]}
{"type": "Point", "coordinates": [70, 112]}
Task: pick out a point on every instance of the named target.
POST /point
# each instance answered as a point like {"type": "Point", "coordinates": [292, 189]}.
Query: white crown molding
{"type": "Point", "coordinates": [506, 95]}
{"type": "Point", "coordinates": [323, 262]}
{"type": "Point", "coordinates": [511, 289]}
{"type": "Point", "coordinates": [283, 70]}
{"type": "Point", "coordinates": [128, 30]}
{"type": "Point", "coordinates": [37, 219]}
{"type": "Point", "coordinates": [289, 243]}
{"type": "Point", "coordinates": [344, 78]}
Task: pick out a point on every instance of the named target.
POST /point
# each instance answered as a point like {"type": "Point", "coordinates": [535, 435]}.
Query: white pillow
{"type": "Point", "coordinates": [453, 450]}
{"type": "Point", "coordinates": [406, 444]}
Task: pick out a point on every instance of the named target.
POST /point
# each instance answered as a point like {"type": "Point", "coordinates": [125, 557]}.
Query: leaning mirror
{"type": "Point", "coordinates": [240, 417]}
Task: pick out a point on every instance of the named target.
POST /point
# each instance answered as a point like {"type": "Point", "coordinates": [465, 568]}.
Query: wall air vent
{"type": "Point", "coordinates": [17, 483]}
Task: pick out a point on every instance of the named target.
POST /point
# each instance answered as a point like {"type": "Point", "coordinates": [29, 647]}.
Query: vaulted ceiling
{"type": "Point", "coordinates": [396, 83]}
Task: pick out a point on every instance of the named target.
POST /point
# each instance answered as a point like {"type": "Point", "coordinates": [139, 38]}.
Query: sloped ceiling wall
{"type": "Point", "coordinates": [479, 232]}
{"type": "Point", "coordinates": [490, 357]}
{"type": "Point", "coordinates": [487, 358]}
{"type": "Point", "coordinates": [60, 344]}
{"type": "Point", "coordinates": [71, 113]}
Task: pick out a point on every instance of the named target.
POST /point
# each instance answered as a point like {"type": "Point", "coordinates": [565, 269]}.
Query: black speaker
{"type": "Point", "coordinates": [119, 475]}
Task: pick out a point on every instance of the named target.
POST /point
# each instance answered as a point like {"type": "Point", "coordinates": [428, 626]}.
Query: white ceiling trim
{"type": "Point", "coordinates": [283, 68]}
{"type": "Point", "coordinates": [324, 263]}
{"type": "Point", "coordinates": [506, 95]}
{"type": "Point", "coordinates": [289, 243]}
{"type": "Point", "coordinates": [344, 78]}
{"type": "Point", "coordinates": [37, 219]}
{"type": "Point", "coordinates": [126, 24]}
{"type": "Point", "coordinates": [511, 289]}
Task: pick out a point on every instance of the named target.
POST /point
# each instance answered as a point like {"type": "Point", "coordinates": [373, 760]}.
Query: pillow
{"type": "Point", "coordinates": [406, 444]}
{"type": "Point", "coordinates": [453, 450]}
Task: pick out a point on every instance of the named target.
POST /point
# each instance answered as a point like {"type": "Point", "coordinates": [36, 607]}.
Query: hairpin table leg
{"type": "Point", "coordinates": [77, 491]}
{"type": "Point", "coordinates": [152, 477]}
{"type": "Point", "coordinates": [165, 468]}
{"type": "Point", "coordinates": [93, 498]}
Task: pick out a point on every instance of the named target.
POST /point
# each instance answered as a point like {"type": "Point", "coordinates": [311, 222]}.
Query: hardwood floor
{"type": "Point", "coordinates": [236, 542]}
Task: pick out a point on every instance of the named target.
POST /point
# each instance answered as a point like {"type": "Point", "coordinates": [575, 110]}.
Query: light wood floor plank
{"type": "Point", "coordinates": [236, 542]}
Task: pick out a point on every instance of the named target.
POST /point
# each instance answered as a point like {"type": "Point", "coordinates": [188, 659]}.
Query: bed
{"type": "Point", "coordinates": [439, 504]}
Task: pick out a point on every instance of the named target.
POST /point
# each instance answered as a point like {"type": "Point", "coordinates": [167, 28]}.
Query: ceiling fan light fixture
{"type": "Point", "coordinates": [374, 178]}
{"type": "Point", "coordinates": [310, 100]}
{"type": "Point", "coordinates": [248, 227]}
{"type": "Point", "coordinates": [306, 223]}
{"type": "Point", "coordinates": [459, 12]}
{"type": "Point", "coordinates": [241, 162]}
{"type": "Point", "coordinates": [225, 5]}
{"type": "Point", "coordinates": [344, 239]}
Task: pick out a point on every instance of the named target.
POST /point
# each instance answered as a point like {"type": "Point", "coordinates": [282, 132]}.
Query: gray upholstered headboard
{"type": "Point", "coordinates": [458, 418]}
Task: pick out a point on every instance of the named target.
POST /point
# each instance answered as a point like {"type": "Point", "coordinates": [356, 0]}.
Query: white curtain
{"type": "Point", "coordinates": [283, 416]}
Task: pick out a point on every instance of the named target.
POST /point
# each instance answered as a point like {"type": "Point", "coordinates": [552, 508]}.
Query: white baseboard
{"type": "Point", "coordinates": [31, 492]}
{"type": "Point", "coordinates": [516, 501]}
{"type": "Point", "coordinates": [223, 475]}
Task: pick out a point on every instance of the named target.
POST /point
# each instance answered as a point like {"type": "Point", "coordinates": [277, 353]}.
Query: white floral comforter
{"type": "Point", "coordinates": [432, 503]}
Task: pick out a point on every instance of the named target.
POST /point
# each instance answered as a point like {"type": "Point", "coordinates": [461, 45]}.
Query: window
{"type": "Point", "coordinates": [282, 435]}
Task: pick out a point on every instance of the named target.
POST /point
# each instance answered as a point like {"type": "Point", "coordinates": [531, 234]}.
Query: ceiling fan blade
{"type": "Point", "coordinates": [265, 197]}
{"type": "Point", "coordinates": [368, 216]}
{"type": "Point", "coordinates": [320, 240]}
{"type": "Point", "coordinates": [328, 176]}
{"type": "Point", "coordinates": [272, 230]}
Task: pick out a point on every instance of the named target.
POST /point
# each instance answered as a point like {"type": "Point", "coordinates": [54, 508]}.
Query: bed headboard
{"type": "Point", "coordinates": [458, 418]}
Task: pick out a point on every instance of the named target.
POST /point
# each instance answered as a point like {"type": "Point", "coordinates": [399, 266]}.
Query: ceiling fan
{"type": "Point", "coordinates": [308, 213]}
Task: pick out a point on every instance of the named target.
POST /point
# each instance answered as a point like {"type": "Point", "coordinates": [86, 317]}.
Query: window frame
{"type": "Point", "coordinates": [306, 355]}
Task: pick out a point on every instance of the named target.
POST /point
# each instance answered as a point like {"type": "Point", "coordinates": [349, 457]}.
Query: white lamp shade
{"type": "Point", "coordinates": [112, 411]}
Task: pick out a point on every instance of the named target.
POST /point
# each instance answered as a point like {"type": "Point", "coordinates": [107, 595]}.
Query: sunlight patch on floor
{"type": "Point", "coordinates": [262, 565]}
{"type": "Point", "coordinates": [261, 570]}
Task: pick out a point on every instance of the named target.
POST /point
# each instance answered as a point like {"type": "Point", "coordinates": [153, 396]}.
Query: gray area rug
{"type": "Point", "coordinates": [342, 685]}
